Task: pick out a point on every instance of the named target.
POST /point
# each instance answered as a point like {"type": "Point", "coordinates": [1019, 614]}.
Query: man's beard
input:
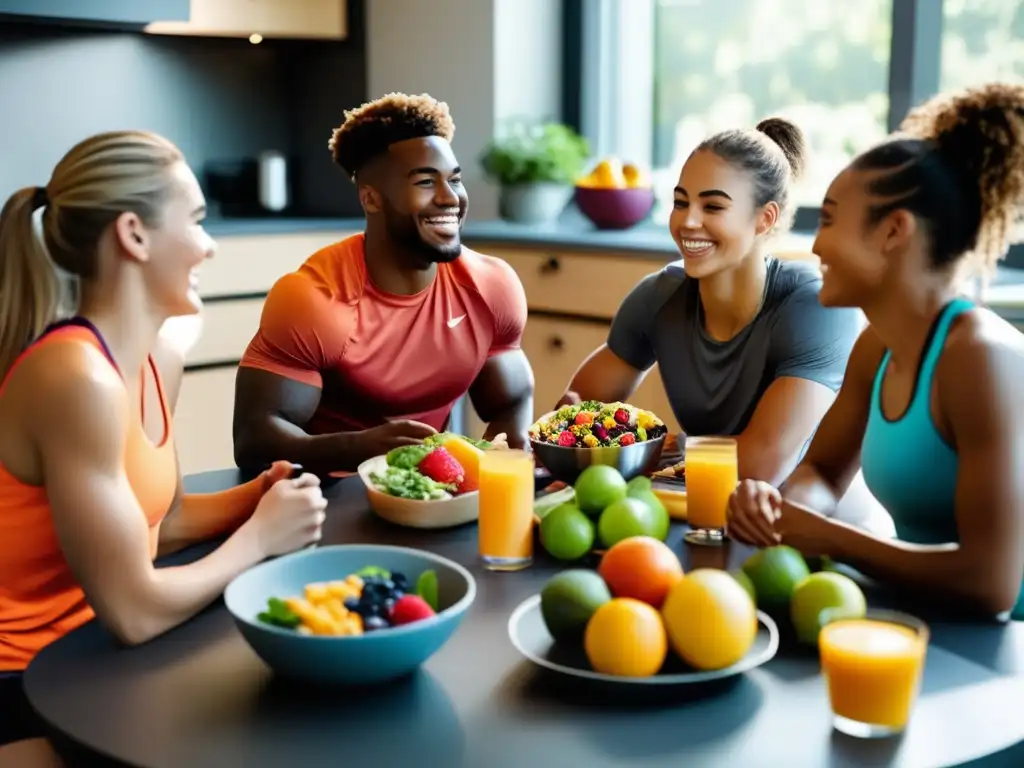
{"type": "Point", "coordinates": [401, 228]}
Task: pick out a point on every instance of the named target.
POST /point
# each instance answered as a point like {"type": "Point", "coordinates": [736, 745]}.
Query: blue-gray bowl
{"type": "Point", "coordinates": [375, 657]}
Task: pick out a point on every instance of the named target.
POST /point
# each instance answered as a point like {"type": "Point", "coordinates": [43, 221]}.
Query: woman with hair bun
{"type": "Point", "coordinates": [743, 345]}
{"type": "Point", "coordinates": [931, 405]}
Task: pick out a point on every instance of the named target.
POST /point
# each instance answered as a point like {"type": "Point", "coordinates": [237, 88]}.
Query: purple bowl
{"type": "Point", "coordinates": [612, 208]}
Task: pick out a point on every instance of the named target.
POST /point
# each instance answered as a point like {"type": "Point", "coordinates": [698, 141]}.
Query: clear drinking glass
{"type": "Point", "coordinates": [505, 526]}
{"type": "Point", "coordinates": [873, 668]}
{"type": "Point", "coordinates": [712, 474]}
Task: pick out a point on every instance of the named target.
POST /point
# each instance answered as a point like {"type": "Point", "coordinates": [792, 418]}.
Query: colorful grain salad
{"type": "Point", "coordinates": [592, 424]}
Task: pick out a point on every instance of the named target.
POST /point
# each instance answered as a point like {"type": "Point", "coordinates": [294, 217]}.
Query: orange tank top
{"type": "Point", "coordinates": [40, 600]}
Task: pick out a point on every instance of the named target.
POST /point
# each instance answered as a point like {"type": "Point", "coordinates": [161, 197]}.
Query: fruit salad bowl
{"type": "Point", "coordinates": [569, 439]}
{"type": "Point", "coordinates": [416, 513]}
{"type": "Point", "coordinates": [436, 596]}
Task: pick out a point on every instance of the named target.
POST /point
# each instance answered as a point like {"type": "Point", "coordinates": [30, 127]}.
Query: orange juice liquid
{"type": "Point", "coordinates": [505, 526]}
{"type": "Point", "coordinates": [873, 669]}
{"type": "Point", "coordinates": [711, 477]}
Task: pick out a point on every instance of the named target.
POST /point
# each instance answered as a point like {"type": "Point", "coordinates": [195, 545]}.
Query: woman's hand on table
{"type": "Point", "coordinates": [290, 515]}
{"type": "Point", "coordinates": [753, 509]}
{"type": "Point", "coordinates": [804, 529]}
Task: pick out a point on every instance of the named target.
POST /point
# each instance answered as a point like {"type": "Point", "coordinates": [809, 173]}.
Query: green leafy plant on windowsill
{"type": "Point", "coordinates": [530, 153]}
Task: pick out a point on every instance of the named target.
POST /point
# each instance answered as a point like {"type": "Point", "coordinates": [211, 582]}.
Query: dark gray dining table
{"type": "Point", "coordinates": [198, 696]}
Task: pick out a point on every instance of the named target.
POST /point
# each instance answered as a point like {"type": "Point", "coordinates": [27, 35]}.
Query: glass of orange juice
{"type": "Point", "coordinates": [505, 525]}
{"type": "Point", "coordinates": [873, 668]}
{"type": "Point", "coordinates": [712, 474]}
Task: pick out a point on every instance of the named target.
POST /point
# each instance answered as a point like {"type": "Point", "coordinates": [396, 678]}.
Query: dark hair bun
{"type": "Point", "coordinates": [789, 138]}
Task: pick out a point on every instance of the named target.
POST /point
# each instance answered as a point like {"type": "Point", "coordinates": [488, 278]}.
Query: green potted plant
{"type": "Point", "coordinates": [536, 166]}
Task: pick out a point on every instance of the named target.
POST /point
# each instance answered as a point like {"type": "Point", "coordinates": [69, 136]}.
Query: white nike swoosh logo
{"type": "Point", "coordinates": [455, 321]}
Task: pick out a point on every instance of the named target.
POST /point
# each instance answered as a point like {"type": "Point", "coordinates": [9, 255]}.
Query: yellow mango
{"type": "Point", "coordinates": [468, 456]}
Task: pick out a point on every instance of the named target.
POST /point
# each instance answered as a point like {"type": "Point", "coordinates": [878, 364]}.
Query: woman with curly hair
{"type": "Point", "coordinates": [930, 406]}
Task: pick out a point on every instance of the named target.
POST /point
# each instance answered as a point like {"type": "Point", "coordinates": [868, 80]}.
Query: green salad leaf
{"type": "Point", "coordinates": [408, 456]}
{"type": "Point", "coordinates": [278, 614]}
{"type": "Point", "coordinates": [435, 440]}
{"type": "Point", "coordinates": [426, 587]}
{"type": "Point", "coordinates": [373, 570]}
{"type": "Point", "coordinates": [409, 484]}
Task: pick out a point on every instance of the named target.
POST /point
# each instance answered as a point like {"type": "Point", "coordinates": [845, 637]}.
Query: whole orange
{"type": "Point", "coordinates": [641, 567]}
{"type": "Point", "coordinates": [626, 637]}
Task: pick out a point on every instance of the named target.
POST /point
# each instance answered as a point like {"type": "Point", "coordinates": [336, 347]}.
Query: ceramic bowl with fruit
{"type": "Point", "coordinates": [354, 614]}
{"type": "Point", "coordinates": [574, 437]}
{"type": "Point", "coordinates": [614, 195]}
{"type": "Point", "coordinates": [433, 485]}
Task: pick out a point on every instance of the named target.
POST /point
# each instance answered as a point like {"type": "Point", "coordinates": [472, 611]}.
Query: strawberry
{"type": "Point", "coordinates": [468, 485]}
{"type": "Point", "coordinates": [567, 439]}
{"type": "Point", "coordinates": [622, 416]}
{"type": "Point", "coordinates": [410, 608]}
{"type": "Point", "coordinates": [441, 467]}
{"type": "Point", "coordinates": [627, 439]}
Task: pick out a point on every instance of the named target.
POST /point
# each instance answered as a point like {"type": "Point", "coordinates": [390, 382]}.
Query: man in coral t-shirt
{"type": "Point", "coordinates": [369, 344]}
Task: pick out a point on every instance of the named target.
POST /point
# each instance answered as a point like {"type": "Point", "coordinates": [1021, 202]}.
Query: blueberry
{"type": "Point", "coordinates": [398, 594]}
{"type": "Point", "coordinates": [352, 603]}
{"type": "Point", "coordinates": [401, 582]}
{"type": "Point", "coordinates": [388, 605]}
{"type": "Point", "coordinates": [388, 584]}
{"type": "Point", "coordinates": [371, 623]}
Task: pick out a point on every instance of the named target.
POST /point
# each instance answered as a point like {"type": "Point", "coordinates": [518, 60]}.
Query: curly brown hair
{"type": "Point", "coordinates": [370, 129]}
{"type": "Point", "coordinates": [957, 163]}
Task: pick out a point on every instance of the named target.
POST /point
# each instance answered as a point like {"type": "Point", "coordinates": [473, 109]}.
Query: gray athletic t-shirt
{"type": "Point", "coordinates": [715, 386]}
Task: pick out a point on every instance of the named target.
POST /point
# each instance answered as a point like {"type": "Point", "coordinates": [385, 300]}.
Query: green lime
{"type": "Point", "coordinates": [426, 587]}
{"type": "Point", "coordinates": [746, 583]}
{"type": "Point", "coordinates": [567, 533]}
{"type": "Point", "coordinates": [775, 572]}
{"type": "Point", "coordinates": [568, 601]}
{"type": "Point", "coordinates": [823, 596]}
{"type": "Point", "coordinates": [638, 486]}
{"type": "Point", "coordinates": [631, 517]}
{"type": "Point", "coordinates": [598, 486]}
{"type": "Point", "coordinates": [660, 519]}
{"type": "Point", "coordinates": [549, 501]}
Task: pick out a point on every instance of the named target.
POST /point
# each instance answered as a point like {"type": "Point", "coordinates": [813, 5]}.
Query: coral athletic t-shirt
{"type": "Point", "coordinates": [378, 356]}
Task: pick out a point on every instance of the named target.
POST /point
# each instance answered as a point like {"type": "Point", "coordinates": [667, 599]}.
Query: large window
{"type": "Point", "coordinates": [982, 41]}
{"type": "Point", "coordinates": [654, 77]}
{"type": "Point", "coordinates": [728, 63]}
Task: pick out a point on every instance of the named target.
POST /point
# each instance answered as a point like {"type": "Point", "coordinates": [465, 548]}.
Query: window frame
{"type": "Point", "coordinates": [613, 105]}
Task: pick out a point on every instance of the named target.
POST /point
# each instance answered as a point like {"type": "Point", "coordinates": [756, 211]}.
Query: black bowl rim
{"type": "Point", "coordinates": [451, 612]}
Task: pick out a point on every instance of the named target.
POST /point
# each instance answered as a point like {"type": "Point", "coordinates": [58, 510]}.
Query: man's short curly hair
{"type": "Point", "coordinates": [370, 129]}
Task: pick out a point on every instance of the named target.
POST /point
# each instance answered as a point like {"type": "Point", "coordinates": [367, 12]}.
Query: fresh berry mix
{"type": "Point", "coordinates": [592, 424]}
{"type": "Point", "coordinates": [369, 600]}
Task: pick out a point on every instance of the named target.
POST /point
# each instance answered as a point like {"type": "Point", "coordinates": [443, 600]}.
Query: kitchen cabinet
{"type": "Point", "coordinates": [300, 19]}
{"type": "Point", "coordinates": [95, 12]}
{"type": "Point", "coordinates": [202, 420]}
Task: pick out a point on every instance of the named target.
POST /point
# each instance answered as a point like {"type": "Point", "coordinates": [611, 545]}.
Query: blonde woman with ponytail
{"type": "Point", "coordinates": [90, 491]}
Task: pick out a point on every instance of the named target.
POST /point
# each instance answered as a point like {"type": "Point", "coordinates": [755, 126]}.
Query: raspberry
{"type": "Point", "coordinates": [567, 439]}
{"type": "Point", "coordinates": [622, 416]}
{"type": "Point", "coordinates": [410, 608]}
{"type": "Point", "coordinates": [627, 439]}
{"type": "Point", "coordinates": [583, 417]}
{"type": "Point", "coordinates": [441, 467]}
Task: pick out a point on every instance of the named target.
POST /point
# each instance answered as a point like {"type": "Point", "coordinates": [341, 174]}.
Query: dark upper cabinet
{"type": "Point", "coordinates": [112, 13]}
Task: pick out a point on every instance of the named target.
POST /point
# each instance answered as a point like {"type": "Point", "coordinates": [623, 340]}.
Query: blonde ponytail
{"type": "Point", "coordinates": [95, 182]}
{"type": "Point", "coordinates": [29, 287]}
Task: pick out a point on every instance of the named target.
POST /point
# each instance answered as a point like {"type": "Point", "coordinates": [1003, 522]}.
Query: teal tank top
{"type": "Point", "coordinates": [907, 464]}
